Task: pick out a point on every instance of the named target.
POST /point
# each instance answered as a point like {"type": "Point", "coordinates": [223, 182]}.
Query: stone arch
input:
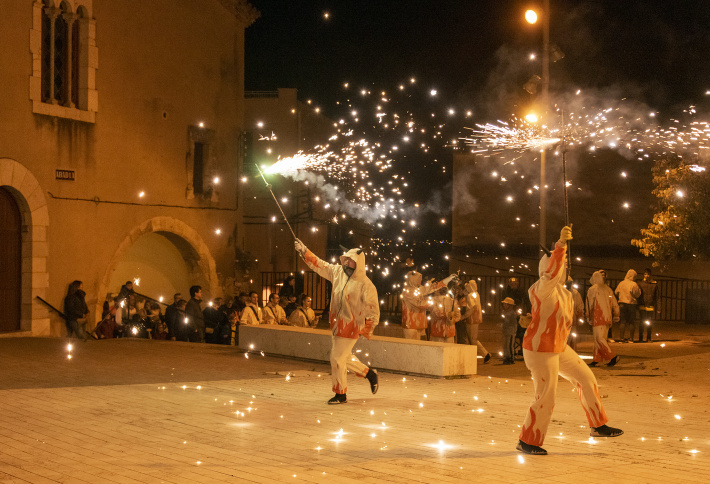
{"type": "Point", "coordinates": [28, 194]}
{"type": "Point", "coordinates": [186, 239]}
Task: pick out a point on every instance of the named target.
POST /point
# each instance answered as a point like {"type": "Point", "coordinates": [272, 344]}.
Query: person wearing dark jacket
{"type": "Point", "coordinates": [76, 310]}
{"type": "Point", "coordinates": [176, 319]}
{"type": "Point", "coordinates": [214, 319]}
{"type": "Point", "coordinates": [126, 291]}
{"type": "Point", "coordinates": [170, 315]}
{"type": "Point", "coordinates": [648, 306]}
{"type": "Point", "coordinates": [194, 315]}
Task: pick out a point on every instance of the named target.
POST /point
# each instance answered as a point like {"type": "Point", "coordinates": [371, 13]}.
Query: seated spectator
{"type": "Point", "coordinates": [252, 314]}
{"type": "Point", "coordinates": [107, 327]}
{"type": "Point", "coordinates": [160, 330]}
{"type": "Point", "coordinates": [273, 313]}
{"type": "Point", "coordinates": [303, 315]}
{"type": "Point", "coordinates": [152, 316]}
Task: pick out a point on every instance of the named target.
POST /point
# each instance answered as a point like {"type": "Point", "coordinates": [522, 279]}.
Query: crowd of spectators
{"type": "Point", "coordinates": [191, 320]}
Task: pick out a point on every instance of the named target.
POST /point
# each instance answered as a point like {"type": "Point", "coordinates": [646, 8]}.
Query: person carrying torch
{"type": "Point", "coordinates": [354, 311]}
{"type": "Point", "coordinates": [547, 354]}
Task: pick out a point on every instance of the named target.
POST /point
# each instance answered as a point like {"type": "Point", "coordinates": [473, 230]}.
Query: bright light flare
{"type": "Point", "coordinates": [531, 16]}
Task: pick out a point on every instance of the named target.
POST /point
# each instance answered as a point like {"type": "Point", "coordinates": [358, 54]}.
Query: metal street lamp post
{"type": "Point", "coordinates": [532, 17]}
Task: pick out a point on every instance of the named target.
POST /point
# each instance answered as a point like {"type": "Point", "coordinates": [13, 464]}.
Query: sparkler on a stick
{"type": "Point", "coordinates": [268, 187]}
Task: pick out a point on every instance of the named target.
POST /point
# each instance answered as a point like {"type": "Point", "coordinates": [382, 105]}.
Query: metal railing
{"type": "Point", "coordinates": [680, 300]}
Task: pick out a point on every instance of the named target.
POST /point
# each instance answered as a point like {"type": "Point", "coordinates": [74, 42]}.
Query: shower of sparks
{"type": "Point", "coordinates": [620, 127]}
{"type": "Point", "coordinates": [362, 170]}
{"type": "Point", "coordinates": [517, 135]}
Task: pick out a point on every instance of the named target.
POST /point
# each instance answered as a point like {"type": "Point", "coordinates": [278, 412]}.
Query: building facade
{"type": "Point", "coordinates": [120, 151]}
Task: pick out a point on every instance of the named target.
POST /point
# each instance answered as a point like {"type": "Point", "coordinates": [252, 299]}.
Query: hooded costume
{"type": "Point", "coordinates": [415, 304]}
{"type": "Point", "coordinates": [473, 316]}
{"type": "Point", "coordinates": [601, 311]}
{"type": "Point", "coordinates": [627, 291]}
{"type": "Point", "coordinates": [547, 354]}
{"type": "Point", "coordinates": [444, 315]}
{"type": "Point", "coordinates": [354, 311]}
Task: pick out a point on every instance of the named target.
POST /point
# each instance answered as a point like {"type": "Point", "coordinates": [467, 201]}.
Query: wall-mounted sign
{"type": "Point", "coordinates": [64, 174]}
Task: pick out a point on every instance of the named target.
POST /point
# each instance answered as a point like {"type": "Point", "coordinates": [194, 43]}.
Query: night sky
{"type": "Point", "coordinates": [653, 55]}
{"type": "Point", "coordinates": [656, 51]}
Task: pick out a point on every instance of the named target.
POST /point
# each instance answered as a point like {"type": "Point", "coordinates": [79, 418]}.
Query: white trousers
{"type": "Point", "coordinates": [341, 360]}
{"type": "Point", "coordinates": [544, 368]}
{"type": "Point", "coordinates": [414, 333]}
{"type": "Point", "coordinates": [602, 350]}
{"type": "Point", "coordinates": [473, 334]}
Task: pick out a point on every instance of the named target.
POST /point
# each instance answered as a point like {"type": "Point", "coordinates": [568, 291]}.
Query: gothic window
{"type": "Point", "coordinates": [64, 52]}
{"type": "Point", "coordinates": [61, 61]}
{"type": "Point", "coordinates": [47, 41]}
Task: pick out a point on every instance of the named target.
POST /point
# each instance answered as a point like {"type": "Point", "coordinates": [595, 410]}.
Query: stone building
{"type": "Point", "coordinates": [120, 154]}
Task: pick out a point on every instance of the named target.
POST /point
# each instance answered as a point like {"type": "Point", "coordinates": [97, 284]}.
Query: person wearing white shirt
{"type": "Point", "coordinates": [273, 312]}
{"type": "Point", "coordinates": [303, 316]}
{"type": "Point", "coordinates": [252, 313]}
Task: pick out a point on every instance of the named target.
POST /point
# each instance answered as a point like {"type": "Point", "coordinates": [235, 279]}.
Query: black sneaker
{"type": "Point", "coordinates": [593, 364]}
{"type": "Point", "coordinates": [613, 361]}
{"type": "Point", "coordinates": [338, 399]}
{"type": "Point", "coordinates": [372, 378]}
{"type": "Point", "coordinates": [486, 358]}
{"type": "Point", "coordinates": [605, 431]}
{"type": "Point", "coordinates": [530, 449]}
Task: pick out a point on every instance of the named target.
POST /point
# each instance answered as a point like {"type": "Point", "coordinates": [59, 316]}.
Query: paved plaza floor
{"type": "Point", "coordinates": [128, 411]}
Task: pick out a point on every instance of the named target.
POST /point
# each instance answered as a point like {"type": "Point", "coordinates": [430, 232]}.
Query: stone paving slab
{"type": "Point", "coordinates": [137, 411]}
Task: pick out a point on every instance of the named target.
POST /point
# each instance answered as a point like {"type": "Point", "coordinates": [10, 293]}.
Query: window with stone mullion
{"type": "Point", "coordinates": [46, 56]}
{"type": "Point", "coordinates": [75, 64]}
{"type": "Point", "coordinates": [60, 59]}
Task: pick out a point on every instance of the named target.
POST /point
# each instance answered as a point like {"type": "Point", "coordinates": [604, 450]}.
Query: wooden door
{"type": "Point", "coordinates": [10, 262]}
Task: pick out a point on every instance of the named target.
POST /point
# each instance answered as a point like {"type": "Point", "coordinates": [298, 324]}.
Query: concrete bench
{"type": "Point", "coordinates": [396, 354]}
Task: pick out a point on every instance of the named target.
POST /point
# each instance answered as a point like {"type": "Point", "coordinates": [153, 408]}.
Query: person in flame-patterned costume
{"type": "Point", "coordinates": [602, 311]}
{"type": "Point", "coordinates": [415, 303]}
{"type": "Point", "coordinates": [547, 354]}
{"type": "Point", "coordinates": [444, 313]}
{"type": "Point", "coordinates": [354, 311]}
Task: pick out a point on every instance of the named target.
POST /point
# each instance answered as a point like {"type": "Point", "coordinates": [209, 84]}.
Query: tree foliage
{"type": "Point", "coordinates": [681, 227]}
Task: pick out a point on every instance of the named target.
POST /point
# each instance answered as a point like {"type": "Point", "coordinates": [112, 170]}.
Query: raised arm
{"type": "Point", "coordinates": [319, 266]}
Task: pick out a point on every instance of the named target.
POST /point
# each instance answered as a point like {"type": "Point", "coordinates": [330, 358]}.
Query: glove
{"type": "Point", "coordinates": [565, 234]}
{"type": "Point", "coordinates": [300, 247]}
{"type": "Point", "coordinates": [452, 277]}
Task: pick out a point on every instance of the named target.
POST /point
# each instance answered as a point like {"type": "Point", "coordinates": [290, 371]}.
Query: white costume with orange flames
{"type": "Point", "coordinates": [415, 304]}
{"type": "Point", "coordinates": [473, 304]}
{"type": "Point", "coordinates": [602, 310]}
{"type": "Point", "coordinates": [354, 311]}
{"type": "Point", "coordinates": [546, 352]}
{"type": "Point", "coordinates": [444, 315]}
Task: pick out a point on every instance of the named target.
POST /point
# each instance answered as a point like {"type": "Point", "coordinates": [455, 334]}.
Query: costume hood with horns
{"type": "Point", "coordinates": [354, 306]}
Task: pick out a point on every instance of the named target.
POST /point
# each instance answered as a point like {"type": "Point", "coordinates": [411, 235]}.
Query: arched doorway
{"type": "Point", "coordinates": [161, 263]}
{"type": "Point", "coordinates": [10, 262]}
{"type": "Point", "coordinates": [167, 256]}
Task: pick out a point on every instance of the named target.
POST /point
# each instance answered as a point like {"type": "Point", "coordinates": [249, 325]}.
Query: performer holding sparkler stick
{"type": "Point", "coordinates": [354, 311]}
{"type": "Point", "coordinates": [547, 354]}
{"type": "Point", "coordinates": [268, 187]}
